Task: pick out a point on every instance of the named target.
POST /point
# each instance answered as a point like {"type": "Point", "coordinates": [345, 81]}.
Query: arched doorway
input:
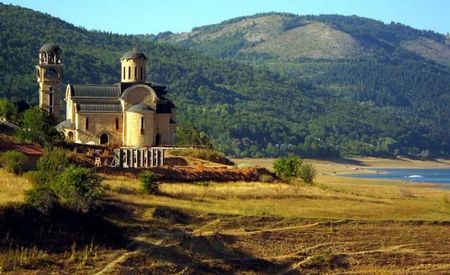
{"type": "Point", "coordinates": [70, 136]}
{"type": "Point", "coordinates": [104, 139]}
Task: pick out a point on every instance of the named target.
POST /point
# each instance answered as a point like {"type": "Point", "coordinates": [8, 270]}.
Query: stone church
{"type": "Point", "coordinates": [132, 113]}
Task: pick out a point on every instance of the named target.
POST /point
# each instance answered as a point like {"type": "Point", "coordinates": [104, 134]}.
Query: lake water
{"type": "Point", "coordinates": [441, 176]}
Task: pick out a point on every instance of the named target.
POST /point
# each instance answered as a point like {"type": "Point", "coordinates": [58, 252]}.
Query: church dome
{"type": "Point", "coordinates": [140, 108]}
{"type": "Point", "coordinates": [50, 48]}
{"type": "Point", "coordinates": [134, 54]}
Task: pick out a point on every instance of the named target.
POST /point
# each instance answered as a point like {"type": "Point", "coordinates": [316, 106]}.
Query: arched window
{"type": "Point", "coordinates": [86, 124]}
{"type": "Point", "coordinates": [142, 125]}
{"type": "Point", "coordinates": [123, 75]}
{"type": "Point", "coordinates": [129, 72]}
{"type": "Point", "coordinates": [117, 124]}
{"type": "Point", "coordinates": [142, 73]}
{"type": "Point", "coordinates": [70, 136]}
{"type": "Point", "coordinates": [135, 73]}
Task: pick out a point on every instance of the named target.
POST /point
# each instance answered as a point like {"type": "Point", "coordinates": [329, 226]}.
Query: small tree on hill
{"type": "Point", "coordinates": [39, 126]}
{"type": "Point", "coordinates": [287, 167]}
{"type": "Point", "coordinates": [78, 188]}
{"type": "Point", "coordinates": [307, 173]}
{"type": "Point", "coordinates": [188, 135]}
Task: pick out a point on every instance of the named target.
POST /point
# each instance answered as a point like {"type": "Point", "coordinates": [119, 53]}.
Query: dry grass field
{"type": "Point", "coordinates": [337, 226]}
{"type": "Point", "coordinates": [12, 188]}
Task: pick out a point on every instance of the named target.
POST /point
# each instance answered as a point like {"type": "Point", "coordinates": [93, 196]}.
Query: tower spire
{"type": "Point", "coordinates": [49, 73]}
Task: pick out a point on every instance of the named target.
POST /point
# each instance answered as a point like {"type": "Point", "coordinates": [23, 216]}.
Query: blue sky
{"type": "Point", "coordinates": [153, 16]}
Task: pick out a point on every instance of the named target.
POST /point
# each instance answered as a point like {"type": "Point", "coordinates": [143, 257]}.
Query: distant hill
{"type": "Point", "coordinates": [290, 37]}
{"type": "Point", "coordinates": [341, 92]}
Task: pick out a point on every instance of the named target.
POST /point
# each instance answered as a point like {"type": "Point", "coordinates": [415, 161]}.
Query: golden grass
{"type": "Point", "coordinates": [12, 187]}
{"type": "Point", "coordinates": [332, 198]}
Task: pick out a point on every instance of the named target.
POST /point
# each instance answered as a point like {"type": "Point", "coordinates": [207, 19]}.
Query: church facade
{"type": "Point", "coordinates": [131, 113]}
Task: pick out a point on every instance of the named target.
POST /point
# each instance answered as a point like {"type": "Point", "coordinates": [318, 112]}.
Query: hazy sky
{"type": "Point", "coordinates": [153, 16]}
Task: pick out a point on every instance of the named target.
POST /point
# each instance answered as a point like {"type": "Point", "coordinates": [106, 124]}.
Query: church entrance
{"type": "Point", "coordinates": [104, 139]}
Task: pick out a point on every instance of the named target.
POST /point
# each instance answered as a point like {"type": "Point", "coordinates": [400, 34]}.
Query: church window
{"type": "Point", "coordinates": [123, 75]}
{"type": "Point", "coordinates": [129, 72]}
{"type": "Point", "coordinates": [135, 73]}
{"type": "Point", "coordinates": [50, 99]}
{"type": "Point", "coordinates": [142, 73]}
{"type": "Point", "coordinates": [117, 124]}
{"type": "Point", "coordinates": [87, 123]}
{"type": "Point", "coordinates": [142, 125]}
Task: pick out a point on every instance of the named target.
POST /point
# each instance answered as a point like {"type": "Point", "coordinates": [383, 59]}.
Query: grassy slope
{"type": "Point", "coordinates": [339, 225]}
{"type": "Point", "coordinates": [12, 188]}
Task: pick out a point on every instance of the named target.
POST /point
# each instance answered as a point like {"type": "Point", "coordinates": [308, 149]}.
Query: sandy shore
{"type": "Point", "coordinates": [353, 165]}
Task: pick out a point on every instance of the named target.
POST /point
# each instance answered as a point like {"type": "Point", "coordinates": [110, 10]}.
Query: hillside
{"type": "Point", "coordinates": [290, 37]}
{"type": "Point", "coordinates": [348, 104]}
{"type": "Point", "coordinates": [234, 228]}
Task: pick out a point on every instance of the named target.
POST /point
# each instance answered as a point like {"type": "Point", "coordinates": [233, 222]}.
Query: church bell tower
{"type": "Point", "coordinates": [49, 73]}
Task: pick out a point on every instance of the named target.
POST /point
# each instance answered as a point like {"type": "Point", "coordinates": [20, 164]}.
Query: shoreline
{"type": "Point", "coordinates": [329, 169]}
{"type": "Point", "coordinates": [352, 165]}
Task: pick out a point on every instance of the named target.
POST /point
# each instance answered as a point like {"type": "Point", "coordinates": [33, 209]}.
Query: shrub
{"type": "Point", "coordinates": [13, 161]}
{"type": "Point", "coordinates": [54, 159]}
{"type": "Point", "coordinates": [78, 187]}
{"type": "Point", "coordinates": [50, 166]}
{"type": "Point", "coordinates": [42, 198]}
{"type": "Point", "coordinates": [287, 167]}
{"type": "Point", "coordinates": [149, 183]}
{"type": "Point", "coordinates": [307, 173]}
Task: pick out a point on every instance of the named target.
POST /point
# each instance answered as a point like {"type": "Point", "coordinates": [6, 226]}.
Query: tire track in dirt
{"type": "Point", "coordinates": [245, 233]}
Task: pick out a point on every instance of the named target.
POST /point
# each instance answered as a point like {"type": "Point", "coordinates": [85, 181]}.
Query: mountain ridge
{"type": "Point", "coordinates": [267, 27]}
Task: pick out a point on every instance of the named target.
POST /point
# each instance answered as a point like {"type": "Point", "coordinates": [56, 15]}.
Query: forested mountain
{"type": "Point", "coordinates": [343, 101]}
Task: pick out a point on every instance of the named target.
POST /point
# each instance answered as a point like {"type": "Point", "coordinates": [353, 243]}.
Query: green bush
{"type": "Point", "coordinates": [54, 159]}
{"type": "Point", "coordinates": [50, 166]}
{"type": "Point", "coordinates": [307, 173]}
{"type": "Point", "coordinates": [149, 182]}
{"type": "Point", "coordinates": [78, 188]}
{"type": "Point", "coordinates": [42, 198]}
{"type": "Point", "coordinates": [13, 161]}
{"type": "Point", "coordinates": [287, 167]}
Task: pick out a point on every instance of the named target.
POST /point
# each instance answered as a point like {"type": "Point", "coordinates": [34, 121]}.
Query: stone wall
{"type": "Point", "coordinates": [99, 123]}
{"type": "Point", "coordinates": [134, 136]}
{"type": "Point", "coordinates": [165, 129]}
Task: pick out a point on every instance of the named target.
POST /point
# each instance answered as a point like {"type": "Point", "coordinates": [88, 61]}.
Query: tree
{"type": "Point", "coordinates": [287, 167]}
{"type": "Point", "coordinates": [8, 110]}
{"type": "Point", "coordinates": [78, 187]}
{"type": "Point", "coordinates": [39, 126]}
{"type": "Point", "coordinates": [307, 173]}
{"type": "Point", "coordinates": [188, 135]}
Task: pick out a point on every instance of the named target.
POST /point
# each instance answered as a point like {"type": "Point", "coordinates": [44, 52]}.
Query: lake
{"type": "Point", "coordinates": [441, 176]}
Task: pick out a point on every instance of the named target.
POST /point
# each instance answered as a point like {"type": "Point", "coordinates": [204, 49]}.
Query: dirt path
{"type": "Point", "coordinates": [112, 265]}
{"type": "Point", "coordinates": [269, 230]}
